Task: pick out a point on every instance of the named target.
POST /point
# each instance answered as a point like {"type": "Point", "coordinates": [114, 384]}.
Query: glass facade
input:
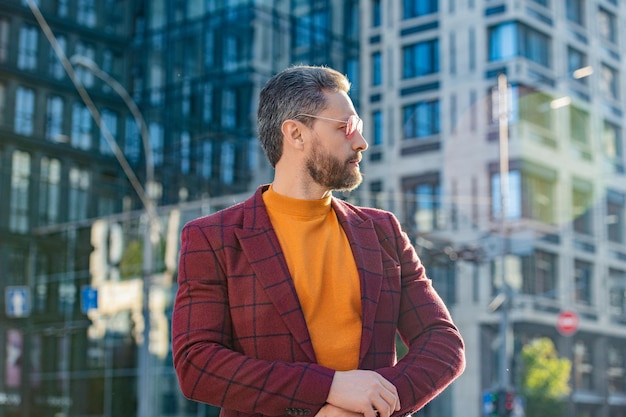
{"type": "Point", "coordinates": [88, 276]}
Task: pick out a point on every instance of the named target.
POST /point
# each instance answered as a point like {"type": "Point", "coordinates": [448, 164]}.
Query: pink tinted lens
{"type": "Point", "coordinates": [354, 124]}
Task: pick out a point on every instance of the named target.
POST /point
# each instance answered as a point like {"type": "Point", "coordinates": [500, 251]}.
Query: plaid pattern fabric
{"type": "Point", "coordinates": [239, 337]}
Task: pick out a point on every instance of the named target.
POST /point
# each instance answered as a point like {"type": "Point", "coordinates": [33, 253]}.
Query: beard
{"type": "Point", "coordinates": [330, 172]}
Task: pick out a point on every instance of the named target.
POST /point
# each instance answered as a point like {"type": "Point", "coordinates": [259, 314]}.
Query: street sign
{"type": "Point", "coordinates": [567, 322]}
{"type": "Point", "coordinates": [490, 401]}
{"type": "Point", "coordinates": [88, 298]}
{"type": "Point", "coordinates": [17, 301]}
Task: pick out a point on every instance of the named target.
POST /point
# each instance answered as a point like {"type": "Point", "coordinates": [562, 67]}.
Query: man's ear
{"type": "Point", "coordinates": [292, 133]}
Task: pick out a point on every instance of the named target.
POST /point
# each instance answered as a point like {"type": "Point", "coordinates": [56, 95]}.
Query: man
{"type": "Point", "coordinates": [289, 303]}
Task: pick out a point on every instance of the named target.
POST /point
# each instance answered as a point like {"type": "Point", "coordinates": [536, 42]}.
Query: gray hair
{"type": "Point", "coordinates": [297, 89]}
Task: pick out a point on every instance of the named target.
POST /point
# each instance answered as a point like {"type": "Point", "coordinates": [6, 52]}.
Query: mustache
{"type": "Point", "coordinates": [356, 157]}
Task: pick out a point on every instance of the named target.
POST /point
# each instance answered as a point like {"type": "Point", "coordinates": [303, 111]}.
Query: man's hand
{"type": "Point", "coordinates": [364, 392]}
{"type": "Point", "coordinates": [330, 410]}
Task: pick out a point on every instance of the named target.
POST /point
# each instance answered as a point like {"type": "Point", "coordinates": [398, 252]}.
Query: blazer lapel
{"type": "Point", "coordinates": [261, 247]}
{"type": "Point", "coordinates": [366, 250]}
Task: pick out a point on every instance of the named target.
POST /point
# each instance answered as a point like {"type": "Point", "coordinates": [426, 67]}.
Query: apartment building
{"type": "Point", "coordinates": [440, 158]}
{"type": "Point", "coordinates": [119, 120]}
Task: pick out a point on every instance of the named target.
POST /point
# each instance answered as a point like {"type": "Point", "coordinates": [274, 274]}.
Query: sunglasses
{"type": "Point", "coordinates": [353, 123]}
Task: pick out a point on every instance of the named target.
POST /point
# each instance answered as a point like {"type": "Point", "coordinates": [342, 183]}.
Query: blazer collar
{"type": "Point", "coordinates": [260, 245]}
{"type": "Point", "coordinates": [365, 245]}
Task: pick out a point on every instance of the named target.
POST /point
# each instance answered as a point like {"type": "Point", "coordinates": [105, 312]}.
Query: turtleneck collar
{"type": "Point", "coordinates": [296, 207]}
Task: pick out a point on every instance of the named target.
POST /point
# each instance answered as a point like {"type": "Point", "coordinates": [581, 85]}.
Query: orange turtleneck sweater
{"type": "Point", "coordinates": [324, 273]}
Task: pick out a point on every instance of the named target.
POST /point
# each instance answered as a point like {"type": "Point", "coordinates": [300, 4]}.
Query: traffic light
{"type": "Point", "coordinates": [506, 403]}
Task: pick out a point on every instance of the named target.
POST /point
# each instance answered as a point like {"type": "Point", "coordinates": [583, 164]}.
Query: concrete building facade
{"type": "Point", "coordinates": [440, 159]}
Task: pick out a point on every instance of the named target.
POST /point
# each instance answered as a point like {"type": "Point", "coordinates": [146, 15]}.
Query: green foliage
{"type": "Point", "coordinates": [131, 264]}
{"type": "Point", "coordinates": [545, 379]}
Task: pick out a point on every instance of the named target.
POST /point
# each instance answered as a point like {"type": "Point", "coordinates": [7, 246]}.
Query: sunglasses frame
{"type": "Point", "coordinates": [353, 123]}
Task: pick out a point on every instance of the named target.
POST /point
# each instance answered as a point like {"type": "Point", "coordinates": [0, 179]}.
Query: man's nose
{"type": "Point", "coordinates": [358, 142]}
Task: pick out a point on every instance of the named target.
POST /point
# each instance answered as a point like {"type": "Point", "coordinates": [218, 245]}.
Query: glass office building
{"type": "Point", "coordinates": [81, 248]}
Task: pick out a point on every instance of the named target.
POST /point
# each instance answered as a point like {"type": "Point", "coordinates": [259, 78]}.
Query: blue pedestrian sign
{"type": "Point", "coordinates": [88, 299]}
{"type": "Point", "coordinates": [17, 301]}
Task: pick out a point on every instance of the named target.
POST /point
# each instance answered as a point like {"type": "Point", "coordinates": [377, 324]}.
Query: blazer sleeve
{"type": "Point", "coordinates": [436, 349]}
{"type": "Point", "coordinates": [209, 368]}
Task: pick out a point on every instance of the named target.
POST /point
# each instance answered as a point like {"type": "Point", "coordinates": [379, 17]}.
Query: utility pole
{"type": "Point", "coordinates": [503, 119]}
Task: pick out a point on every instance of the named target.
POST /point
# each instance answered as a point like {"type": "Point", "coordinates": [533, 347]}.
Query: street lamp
{"type": "Point", "coordinates": [144, 385]}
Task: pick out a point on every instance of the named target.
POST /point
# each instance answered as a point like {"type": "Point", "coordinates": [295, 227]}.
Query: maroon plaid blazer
{"type": "Point", "coordinates": [239, 337]}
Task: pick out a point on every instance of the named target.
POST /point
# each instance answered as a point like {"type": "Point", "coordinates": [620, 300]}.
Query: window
{"type": "Point", "coordinates": [422, 200]}
{"type": "Point", "coordinates": [84, 75]}
{"type": "Point", "coordinates": [109, 120]}
{"type": "Point", "coordinates": [49, 190]}
{"type": "Point", "coordinates": [616, 369]}
{"type": "Point", "coordinates": [20, 179]}
{"type": "Point", "coordinates": [229, 109]}
{"type": "Point", "coordinates": [583, 281]}
{"type": "Point", "coordinates": [376, 13]}
{"type": "Point", "coordinates": [27, 50]}
{"type": "Point", "coordinates": [62, 8]}
{"type": "Point", "coordinates": [86, 13]}
{"type": "Point", "coordinates": [233, 51]}
{"type": "Point", "coordinates": [579, 131]}
{"type": "Point", "coordinates": [582, 210]}
{"type": "Point", "coordinates": [615, 216]}
{"type": "Point", "coordinates": [377, 68]}
{"type": "Point", "coordinates": [612, 146]}
{"type": "Point", "coordinates": [420, 59]}
{"type": "Point", "coordinates": [207, 102]}
{"type": "Point", "coordinates": [352, 21]}
{"type": "Point", "coordinates": [24, 111]}
{"type": "Point", "coordinates": [132, 140]}
{"type": "Point", "coordinates": [531, 106]}
{"type": "Point", "coordinates": [227, 163]}
{"type": "Point", "coordinates": [421, 119]}
{"type": "Point", "coordinates": [185, 153]}
{"type": "Point", "coordinates": [575, 60]}
{"type": "Point", "coordinates": [575, 11]}
{"type": "Point", "coordinates": [514, 196]}
{"type": "Point", "coordinates": [609, 81]}
{"type": "Point", "coordinates": [209, 49]}
{"type": "Point", "coordinates": [539, 274]}
{"type": "Point", "coordinates": [54, 118]}
{"type": "Point", "coordinates": [617, 291]}
{"type": "Point", "coordinates": [377, 128]}
{"type": "Point", "coordinates": [471, 44]}
{"type": "Point", "coordinates": [156, 143]}
{"type": "Point", "coordinates": [417, 8]}
{"type": "Point", "coordinates": [513, 39]}
{"type": "Point", "coordinates": [582, 364]}
{"type": "Point", "coordinates": [4, 39]}
{"type": "Point", "coordinates": [81, 127]}
{"type": "Point", "coordinates": [3, 101]}
{"type": "Point", "coordinates": [55, 67]}
{"type": "Point", "coordinates": [206, 165]}
{"type": "Point", "coordinates": [186, 99]}
{"type": "Point", "coordinates": [531, 194]}
{"type": "Point", "coordinates": [313, 29]}
{"type": "Point", "coordinates": [79, 194]}
{"type": "Point", "coordinates": [607, 25]}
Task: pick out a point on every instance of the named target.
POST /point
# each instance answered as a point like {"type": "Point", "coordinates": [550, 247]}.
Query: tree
{"type": "Point", "coordinates": [545, 379]}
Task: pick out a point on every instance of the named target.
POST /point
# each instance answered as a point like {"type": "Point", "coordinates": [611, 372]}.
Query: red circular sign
{"type": "Point", "coordinates": [567, 322]}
